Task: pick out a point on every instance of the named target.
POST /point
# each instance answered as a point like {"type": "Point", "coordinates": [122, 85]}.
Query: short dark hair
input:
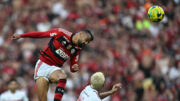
{"type": "Point", "coordinates": [13, 79]}
{"type": "Point", "coordinates": [89, 32]}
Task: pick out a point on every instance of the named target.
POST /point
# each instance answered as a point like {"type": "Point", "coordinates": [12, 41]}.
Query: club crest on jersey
{"type": "Point", "coordinates": [69, 47]}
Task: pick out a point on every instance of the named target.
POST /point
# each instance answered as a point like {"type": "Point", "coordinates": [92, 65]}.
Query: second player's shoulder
{"type": "Point", "coordinates": [94, 93]}
{"type": "Point", "coordinates": [91, 90]}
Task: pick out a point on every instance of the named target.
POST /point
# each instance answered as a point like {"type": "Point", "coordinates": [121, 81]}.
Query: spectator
{"type": "Point", "coordinates": [13, 94]}
{"type": "Point", "coordinates": [93, 91]}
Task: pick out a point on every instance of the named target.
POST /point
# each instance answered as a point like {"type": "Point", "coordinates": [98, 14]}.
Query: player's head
{"type": "Point", "coordinates": [97, 80]}
{"type": "Point", "coordinates": [13, 85]}
{"type": "Point", "coordinates": [82, 38]}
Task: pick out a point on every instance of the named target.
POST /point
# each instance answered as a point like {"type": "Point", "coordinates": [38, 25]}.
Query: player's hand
{"type": "Point", "coordinates": [75, 67]}
{"type": "Point", "coordinates": [116, 87]}
{"type": "Point", "coordinates": [15, 36]}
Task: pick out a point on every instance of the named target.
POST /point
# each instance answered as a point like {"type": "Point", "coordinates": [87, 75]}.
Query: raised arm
{"type": "Point", "coordinates": [74, 67]}
{"type": "Point", "coordinates": [45, 34]}
{"type": "Point", "coordinates": [112, 91]}
{"type": "Point", "coordinates": [36, 34]}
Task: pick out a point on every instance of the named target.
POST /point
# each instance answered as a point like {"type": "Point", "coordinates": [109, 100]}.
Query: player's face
{"type": "Point", "coordinates": [83, 39]}
{"type": "Point", "coordinates": [13, 85]}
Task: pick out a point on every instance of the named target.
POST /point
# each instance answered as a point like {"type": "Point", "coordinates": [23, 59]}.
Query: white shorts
{"type": "Point", "coordinates": [44, 70]}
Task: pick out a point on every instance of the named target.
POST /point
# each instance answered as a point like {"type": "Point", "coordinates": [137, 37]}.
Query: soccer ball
{"type": "Point", "coordinates": [156, 13]}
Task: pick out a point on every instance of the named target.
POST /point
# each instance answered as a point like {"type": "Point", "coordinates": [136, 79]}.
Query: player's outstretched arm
{"type": "Point", "coordinates": [31, 35]}
{"type": "Point", "coordinates": [115, 88]}
{"type": "Point", "coordinates": [50, 33]}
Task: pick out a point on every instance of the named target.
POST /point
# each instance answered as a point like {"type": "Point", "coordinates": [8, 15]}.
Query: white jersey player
{"type": "Point", "coordinates": [92, 92]}
{"type": "Point", "coordinates": [89, 94]}
{"type": "Point", "coordinates": [13, 94]}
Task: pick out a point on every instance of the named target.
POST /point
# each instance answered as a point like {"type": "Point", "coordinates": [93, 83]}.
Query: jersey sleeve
{"type": "Point", "coordinates": [50, 33]}
{"type": "Point", "coordinates": [74, 60]}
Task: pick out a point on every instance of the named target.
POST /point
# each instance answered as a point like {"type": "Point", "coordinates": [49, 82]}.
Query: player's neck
{"type": "Point", "coordinates": [94, 88]}
{"type": "Point", "coordinates": [13, 91]}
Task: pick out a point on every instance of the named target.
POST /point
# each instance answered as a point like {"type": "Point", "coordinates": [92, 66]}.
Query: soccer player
{"type": "Point", "coordinates": [92, 91]}
{"type": "Point", "coordinates": [63, 45]}
{"type": "Point", "coordinates": [13, 94]}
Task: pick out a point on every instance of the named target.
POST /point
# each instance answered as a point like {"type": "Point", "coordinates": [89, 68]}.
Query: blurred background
{"type": "Point", "coordinates": [128, 48]}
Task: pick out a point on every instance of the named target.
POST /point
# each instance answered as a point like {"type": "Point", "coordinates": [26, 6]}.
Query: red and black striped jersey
{"type": "Point", "coordinates": [59, 48]}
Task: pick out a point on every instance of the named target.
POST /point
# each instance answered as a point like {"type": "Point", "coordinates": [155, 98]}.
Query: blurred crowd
{"type": "Point", "coordinates": [128, 48]}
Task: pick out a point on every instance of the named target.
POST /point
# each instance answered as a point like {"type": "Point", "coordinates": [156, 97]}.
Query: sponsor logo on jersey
{"type": "Point", "coordinates": [62, 54]}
